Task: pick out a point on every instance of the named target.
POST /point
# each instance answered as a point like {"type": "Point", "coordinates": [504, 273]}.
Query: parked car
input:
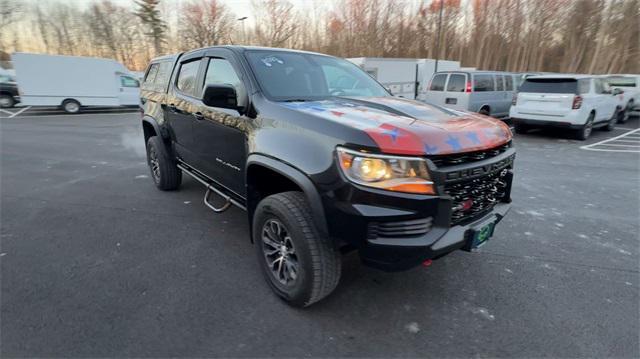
{"type": "Point", "coordinates": [9, 95]}
{"type": "Point", "coordinates": [578, 102]}
{"type": "Point", "coordinates": [73, 82]}
{"type": "Point", "coordinates": [630, 87]}
{"type": "Point", "coordinates": [485, 92]}
{"type": "Point", "coordinates": [324, 160]}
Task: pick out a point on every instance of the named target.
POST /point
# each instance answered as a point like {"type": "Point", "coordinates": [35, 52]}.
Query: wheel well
{"type": "Point", "coordinates": [148, 131]}
{"type": "Point", "coordinates": [263, 182]}
{"type": "Point", "coordinates": [69, 99]}
{"type": "Point", "coordinates": [487, 107]}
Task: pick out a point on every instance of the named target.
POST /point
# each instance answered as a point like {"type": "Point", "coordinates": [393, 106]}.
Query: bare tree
{"type": "Point", "coordinates": [205, 22]}
{"type": "Point", "coordinates": [277, 25]}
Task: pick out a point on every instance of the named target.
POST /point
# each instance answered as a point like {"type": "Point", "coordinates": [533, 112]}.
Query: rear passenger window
{"type": "Point", "coordinates": [599, 87]}
{"type": "Point", "coordinates": [584, 86]}
{"type": "Point", "coordinates": [483, 83]}
{"type": "Point", "coordinates": [499, 83]}
{"type": "Point", "coordinates": [456, 83]}
{"type": "Point", "coordinates": [127, 81]}
{"type": "Point", "coordinates": [508, 83]}
{"type": "Point", "coordinates": [164, 72]}
{"type": "Point", "coordinates": [150, 78]}
{"type": "Point", "coordinates": [437, 84]}
{"type": "Point", "coordinates": [187, 77]}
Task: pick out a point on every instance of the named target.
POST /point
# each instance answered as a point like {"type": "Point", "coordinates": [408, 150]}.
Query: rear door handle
{"type": "Point", "coordinates": [199, 116]}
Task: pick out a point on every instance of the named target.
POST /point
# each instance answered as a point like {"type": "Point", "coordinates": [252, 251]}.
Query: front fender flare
{"type": "Point", "coordinates": [296, 176]}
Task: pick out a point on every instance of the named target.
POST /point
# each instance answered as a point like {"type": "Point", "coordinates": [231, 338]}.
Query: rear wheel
{"type": "Point", "coordinates": [585, 131]}
{"type": "Point", "coordinates": [71, 106]}
{"type": "Point", "coordinates": [6, 101]}
{"type": "Point", "coordinates": [485, 111]}
{"type": "Point", "coordinates": [164, 171]}
{"type": "Point", "coordinates": [299, 264]}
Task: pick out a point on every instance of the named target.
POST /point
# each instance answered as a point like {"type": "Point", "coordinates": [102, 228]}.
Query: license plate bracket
{"type": "Point", "coordinates": [481, 233]}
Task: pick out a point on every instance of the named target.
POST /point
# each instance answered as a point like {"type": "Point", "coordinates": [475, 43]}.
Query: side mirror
{"type": "Point", "coordinates": [223, 96]}
{"type": "Point", "coordinates": [617, 92]}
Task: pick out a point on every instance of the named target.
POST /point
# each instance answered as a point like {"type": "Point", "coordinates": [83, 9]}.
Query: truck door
{"type": "Point", "coordinates": [129, 94]}
{"type": "Point", "coordinates": [455, 95]}
{"type": "Point", "coordinates": [182, 103]}
{"type": "Point", "coordinates": [220, 139]}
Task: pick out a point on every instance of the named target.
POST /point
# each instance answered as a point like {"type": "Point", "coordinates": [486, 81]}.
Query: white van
{"type": "Point", "coordinates": [486, 92]}
{"type": "Point", "coordinates": [579, 102]}
{"type": "Point", "coordinates": [72, 82]}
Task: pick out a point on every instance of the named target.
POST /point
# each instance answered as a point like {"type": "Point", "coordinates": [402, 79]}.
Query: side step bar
{"type": "Point", "coordinates": [211, 188]}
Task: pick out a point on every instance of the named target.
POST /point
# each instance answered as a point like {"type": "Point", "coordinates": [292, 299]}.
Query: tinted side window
{"type": "Point", "coordinates": [584, 86]}
{"type": "Point", "coordinates": [437, 84]}
{"type": "Point", "coordinates": [126, 81]}
{"type": "Point", "coordinates": [499, 83]}
{"type": "Point", "coordinates": [221, 72]}
{"type": "Point", "coordinates": [599, 87]}
{"type": "Point", "coordinates": [187, 77]}
{"type": "Point", "coordinates": [164, 72]}
{"type": "Point", "coordinates": [483, 83]}
{"type": "Point", "coordinates": [150, 78]}
{"type": "Point", "coordinates": [508, 83]}
{"type": "Point", "coordinates": [456, 83]}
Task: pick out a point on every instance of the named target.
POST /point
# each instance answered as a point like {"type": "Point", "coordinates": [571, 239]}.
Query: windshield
{"type": "Point", "coordinates": [621, 81]}
{"type": "Point", "coordinates": [292, 76]}
{"type": "Point", "coordinates": [555, 85]}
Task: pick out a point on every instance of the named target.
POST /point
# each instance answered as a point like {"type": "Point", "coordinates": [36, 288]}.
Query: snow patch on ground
{"type": "Point", "coordinates": [528, 234]}
{"type": "Point", "coordinates": [535, 213]}
{"type": "Point", "coordinates": [142, 176]}
{"type": "Point", "coordinates": [412, 327]}
{"type": "Point", "coordinates": [484, 313]}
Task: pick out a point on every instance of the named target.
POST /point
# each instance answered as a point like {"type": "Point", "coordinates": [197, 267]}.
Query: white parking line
{"type": "Point", "coordinates": [78, 115]}
{"type": "Point", "coordinates": [19, 112]}
{"type": "Point", "coordinates": [620, 143]}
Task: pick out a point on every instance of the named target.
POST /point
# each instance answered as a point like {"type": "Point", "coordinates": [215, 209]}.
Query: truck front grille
{"type": "Point", "coordinates": [462, 158]}
{"type": "Point", "coordinates": [475, 197]}
{"type": "Point", "coordinates": [416, 227]}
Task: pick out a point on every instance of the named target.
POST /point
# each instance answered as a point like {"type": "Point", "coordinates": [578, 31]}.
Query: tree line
{"type": "Point", "coordinates": [578, 36]}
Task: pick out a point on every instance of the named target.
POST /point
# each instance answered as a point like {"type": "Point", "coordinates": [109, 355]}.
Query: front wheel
{"type": "Point", "coordinates": [614, 120]}
{"type": "Point", "coordinates": [301, 266]}
{"type": "Point", "coordinates": [585, 131]}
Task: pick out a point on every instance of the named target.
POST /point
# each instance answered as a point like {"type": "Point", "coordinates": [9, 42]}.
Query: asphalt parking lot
{"type": "Point", "coordinates": [96, 262]}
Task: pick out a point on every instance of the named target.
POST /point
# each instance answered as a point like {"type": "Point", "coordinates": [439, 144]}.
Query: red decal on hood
{"type": "Point", "coordinates": [393, 139]}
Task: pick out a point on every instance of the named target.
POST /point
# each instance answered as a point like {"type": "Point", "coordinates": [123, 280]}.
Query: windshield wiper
{"type": "Point", "coordinates": [297, 100]}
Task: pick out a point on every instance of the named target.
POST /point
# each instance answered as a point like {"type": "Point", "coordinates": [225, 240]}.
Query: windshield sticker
{"type": "Point", "coordinates": [270, 60]}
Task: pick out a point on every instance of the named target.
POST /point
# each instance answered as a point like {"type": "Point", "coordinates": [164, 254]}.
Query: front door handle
{"type": "Point", "coordinates": [199, 116]}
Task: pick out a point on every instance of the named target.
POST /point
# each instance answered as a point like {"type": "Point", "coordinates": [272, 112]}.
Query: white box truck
{"type": "Point", "coordinates": [72, 82]}
{"type": "Point", "coordinates": [397, 75]}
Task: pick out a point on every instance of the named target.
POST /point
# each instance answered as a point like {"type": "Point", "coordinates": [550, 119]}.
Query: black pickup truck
{"type": "Point", "coordinates": [9, 95]}
{"type": "Point", "coordinates": [324, 161]}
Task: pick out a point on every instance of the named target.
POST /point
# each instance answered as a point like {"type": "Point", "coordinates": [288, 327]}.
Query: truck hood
{"type": "Point", "coordinates": [401, 126]}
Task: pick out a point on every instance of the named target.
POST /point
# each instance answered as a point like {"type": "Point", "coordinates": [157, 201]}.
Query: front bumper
{"type": "Point", "coordinates": [363, 218]}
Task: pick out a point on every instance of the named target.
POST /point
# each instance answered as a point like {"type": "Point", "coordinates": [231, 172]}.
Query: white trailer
{"type": "Point", "coordinates": [73, 82]}
{"type": "Point", "coordinates": [397, 75]}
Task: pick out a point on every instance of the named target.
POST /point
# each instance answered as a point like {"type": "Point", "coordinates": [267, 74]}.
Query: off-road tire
{"type": "Point", "coordinates": [319, 262]}
{"type": "Point", "coordinates": [585, 131]}
{"type": "Point", "coordinates": [167, 176]}
{"type": "Point", "coordinates": [71, 106]}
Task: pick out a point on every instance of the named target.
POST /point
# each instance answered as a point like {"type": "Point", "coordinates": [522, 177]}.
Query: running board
{"type": "Point", "coordinates": [211, 188]}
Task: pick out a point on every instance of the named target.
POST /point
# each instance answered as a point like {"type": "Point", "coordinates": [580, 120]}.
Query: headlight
{"type": "Point", "coordinates": [392, 173]}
